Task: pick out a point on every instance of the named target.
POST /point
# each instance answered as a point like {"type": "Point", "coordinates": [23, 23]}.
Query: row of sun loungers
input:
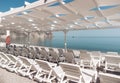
{"type": "Point", "coordinates": [55, 65]}
{"type": "Point", "coordinates": [84, 58]}
{"type": "Point", "coordinates": [44, 71]}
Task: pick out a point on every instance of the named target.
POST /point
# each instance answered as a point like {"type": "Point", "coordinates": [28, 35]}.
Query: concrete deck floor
{"type": "Point", "coordinates": [8, 77]}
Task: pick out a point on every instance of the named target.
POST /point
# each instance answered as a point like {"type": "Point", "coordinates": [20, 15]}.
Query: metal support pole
{"type": "Point", "coordinates": [50, 37]}
{"type": "Point", "coordinates": [7, 32]}
{"type": "Point", "coordinates": [65, 40]}
{"type": "Point", "coordinates": [0, 19]}
{"type": "Point", "coordinates": [28, 38]}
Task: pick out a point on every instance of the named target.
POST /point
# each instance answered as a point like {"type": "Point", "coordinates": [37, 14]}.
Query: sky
{"type": "Point", "coordinates": [5, 5]}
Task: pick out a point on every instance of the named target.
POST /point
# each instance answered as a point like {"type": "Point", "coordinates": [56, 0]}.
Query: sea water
{"type": "Point", "coordinates": [93, 40]}
{"type": "Point", "coordinates": [86, 40]}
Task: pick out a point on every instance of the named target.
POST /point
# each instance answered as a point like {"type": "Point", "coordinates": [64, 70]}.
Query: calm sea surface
{"type": "Point", "coordinates": [103, 44]}
{"type": "Point", "coordinates": [96, 40]}
{"type": "Point", "coordinates": [91, 41]}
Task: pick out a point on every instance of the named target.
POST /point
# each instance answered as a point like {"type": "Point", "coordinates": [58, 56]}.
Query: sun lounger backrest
{"type": "Point", "coordinates": [95, 53]}
{"type": "Point", "coordinates": [112, 59]}
{"type": "Point", "coordinates": [43, 49]}
{"type": "Point", "coordinates": [112, 53]}
{"type": "Point", "coordinates": [46, 49]}
{"type": "Point", "coordinates": [0, 55]}
{"type": "Point", "coordinates": [33, 54]}
{"type": "Point", "coordinates": [60, 51]}
{"type": "Point", "coordinates": [69, 50]}
{"type": "Point", "coordinates": [83, 51]}
{"type": "Point", "coordinates": [32, 48]}
{"type": "Point", "coordinates": [76, 52]}
{"type": "Point", "coordinates": [69, 57]}
{"type": "Point", "coordinates": [51, 49]}
{"type": "Point", "coordinates": [14, 60]}
{"type": "Point", "coordinates": [85, 56]}
{"type": "Point", "coordinates": [44, 54]}
{"type": "Point", "coordinates": [11, 48]}
{"type": "Point", "coordinates": [37, 50]}
{"type": "Point", "coordinates": [5, 56]}
{"type": "Point", "coordinates": [54, 55]}
{"type": "Point", "coordinates": [11, 57]}
{"type": "Point", "coordinates": [43, 64]}
{"type": "Point", "coordinates": [57, 71]}
{"type": "Point", "coordinates": [4, 50]}
{"type": "Point", "coordinates": [25, 52]}
{"type": "Point", "coordinates": [71, 70]}
{"type": "Point", "coordinates": [56, 50]}
{"type": "Point", "coordinates": [25, 61]}
{"type": "Point", "coordinates": [109, 78]}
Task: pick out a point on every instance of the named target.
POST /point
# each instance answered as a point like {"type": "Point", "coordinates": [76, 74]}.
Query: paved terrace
{"type": "Point", "coordinates": [8, 77]}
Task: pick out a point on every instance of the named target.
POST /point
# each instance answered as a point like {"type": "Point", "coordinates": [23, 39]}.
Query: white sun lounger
{"type": "Point", "coordinates": [96, 56]}
{"type": "Point", "coordinates": [69, 57]}
{"type": "Point", "coordinates": [109, 78]}
{"type": "Point", "coordinates": [112, 63]}
{"type": "Point", "coordinates": [26, 68]}
{"type": "Point", "coordinates": [76, 53]}
{"type": "Point", "coordinates": [86, 60]}
{"type": "Point", "coordinates": [74, 73]}
{"type": "Point", "coordinates": [112, 53]}
{"type": "Point", "coordinates": [13, 64]}
{"type": "Point", "coordinates": [4, 60]}
{"type": "Point", "coordinates": [44, 72]}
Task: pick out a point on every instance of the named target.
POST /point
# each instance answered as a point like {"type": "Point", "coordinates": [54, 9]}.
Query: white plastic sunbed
{"type": "Point", "coordinates": [26, 68]}
{"type": "Point", "coordinates": [44, 72]}
{"type": "Point", "coordinates": [74, 73]}
{"type": "Point", "coordinates": [109, 78]}
{"type": "Point", "coordinates": [112, 63]}
{"type": "Point", "coordinates": [86, 60]}
{"type": "Point", "coordinates": [4, 60]}
{"type": "Point", "coordinates": [13, 64]}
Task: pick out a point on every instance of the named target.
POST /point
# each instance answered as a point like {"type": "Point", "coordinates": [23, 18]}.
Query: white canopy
{"type": "Point", "coordinates": [55, 15]}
